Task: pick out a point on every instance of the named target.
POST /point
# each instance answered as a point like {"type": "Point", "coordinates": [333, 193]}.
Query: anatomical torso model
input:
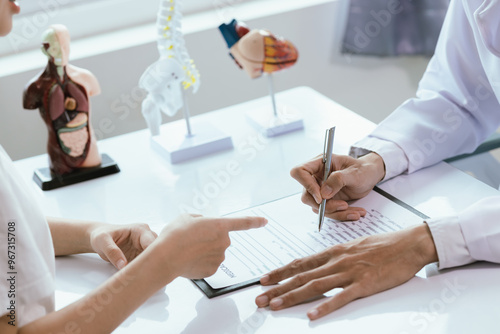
{"type": "Point", "coordinates": [61, 93]}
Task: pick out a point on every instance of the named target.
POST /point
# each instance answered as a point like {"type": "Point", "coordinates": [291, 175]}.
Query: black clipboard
{"type": "Point", "coordinates": [211, 292]}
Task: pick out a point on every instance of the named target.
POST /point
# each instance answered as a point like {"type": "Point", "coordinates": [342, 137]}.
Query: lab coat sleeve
{"type": "Point", "coordinates": [455, 108]}
{"type": "Point", "coordinates": [454, 111]}
{"type": "Point", "coordinates": [472, 235]}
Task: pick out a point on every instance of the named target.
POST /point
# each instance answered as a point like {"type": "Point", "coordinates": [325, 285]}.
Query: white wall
{"type": "Point", "coordinates": [373, 87]}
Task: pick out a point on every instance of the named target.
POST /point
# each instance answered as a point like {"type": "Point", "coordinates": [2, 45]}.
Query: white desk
{"type": "Point", "coordinates": [151, 190]}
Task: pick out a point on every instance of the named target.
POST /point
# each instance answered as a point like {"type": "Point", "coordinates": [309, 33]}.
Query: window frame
{"type": "Point", "coordinates": [102, 15]}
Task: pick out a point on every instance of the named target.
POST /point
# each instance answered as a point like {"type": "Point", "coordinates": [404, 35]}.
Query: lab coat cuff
{"type": "Point", "coordinates": [481, 230]}
{"type": "Point", "coordinates": [395, 159]}
{"type": "Point", "coordinates": [450, 243]}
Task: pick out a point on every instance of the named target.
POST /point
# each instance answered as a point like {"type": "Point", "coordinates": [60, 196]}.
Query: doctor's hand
{"type": "Point", "coordinates": [362, 267]}
{"type": "Point", "coordinates": [120, 244]}
{"type": "Point", "coordinates": [350, 179]}
{"type": "Point", "coordinates": [193, 246]}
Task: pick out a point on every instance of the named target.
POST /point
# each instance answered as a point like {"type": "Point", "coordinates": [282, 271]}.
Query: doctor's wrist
{"type": "Point", "coordinates": [375, 166]}
{"type": "Point", "coordinates": [425, 248]}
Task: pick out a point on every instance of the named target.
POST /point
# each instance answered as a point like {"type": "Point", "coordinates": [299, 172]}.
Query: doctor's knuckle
{"type": "Point", "coordinates": [300, 279]}
{"type": "Point", "coordinates": [296, 264]}
{"type": "Point", "coordinates": [336, 179]}
{"type": "Point", "coordinates": [316, 286]}
{"type": "Point", "coordinates": [313, 286]}
{"type": "Point", "coordinates": [343, 262]}
{"type": "Point", "coordinates": [112, 251]}
{"type": "Point", "coordinates": [289, 298]}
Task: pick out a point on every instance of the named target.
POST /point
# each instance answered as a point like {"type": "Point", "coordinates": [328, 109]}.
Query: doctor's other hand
{"type": "Point", "coordinates": [120, 244]}
{"type": "Point", "coordinates": [193, 246]}
{"type": "Point", "coordinates": [362, 267]}
{"type": "Point", "coordinates": [350, 179]}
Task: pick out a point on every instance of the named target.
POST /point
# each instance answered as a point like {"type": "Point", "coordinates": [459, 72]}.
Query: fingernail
{"type": "Point", "coordinates": [313, 314]}
{"type": "Point", "coordinates": [276, 302]}
{"type": "Point", "coordinates": [262, 301]}
{"type": "Point", "coordinates": [352, 216]}
{"type": "Point", "coordinates": [318, 201]}
{"type": "Point", "coordinates": [343, 207]}
{"type": "Point", "coordinates": [264, 279]}
{"type": "Point", "coordinates": [120, 264]}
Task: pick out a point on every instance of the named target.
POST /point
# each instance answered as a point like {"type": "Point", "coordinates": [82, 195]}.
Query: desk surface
{"type": "Point", "coordinates": [151, 190]}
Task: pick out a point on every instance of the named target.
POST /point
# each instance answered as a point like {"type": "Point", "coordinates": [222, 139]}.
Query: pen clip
{"type": "Point", "coordinates": [325, 146]}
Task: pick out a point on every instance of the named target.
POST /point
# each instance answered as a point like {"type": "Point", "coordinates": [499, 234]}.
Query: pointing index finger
{"type": "Point", "coordinates": [244, 223]}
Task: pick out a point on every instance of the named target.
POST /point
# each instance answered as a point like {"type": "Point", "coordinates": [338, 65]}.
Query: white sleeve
{"type": "Point", "coordinates": [394, 157]}
{"type": "Point", "coordinates": [454, 111]}
{"type": "Point", "coordinates": [455, 108]}
{"type": "Point", "coordinates": [473, 235]}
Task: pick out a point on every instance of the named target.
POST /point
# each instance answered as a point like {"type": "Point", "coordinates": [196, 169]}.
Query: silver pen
{"type": "Point", "coordinates": [327, 163]}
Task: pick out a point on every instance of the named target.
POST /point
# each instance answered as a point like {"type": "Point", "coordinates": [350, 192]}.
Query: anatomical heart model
{"type": "Point", "coordinates": [258, 52]}
{"type": "Point", "coordinates": [61, 93]}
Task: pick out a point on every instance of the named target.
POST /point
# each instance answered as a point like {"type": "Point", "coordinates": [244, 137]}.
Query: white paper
{"type": "Point", "coordinates": [292, 232]}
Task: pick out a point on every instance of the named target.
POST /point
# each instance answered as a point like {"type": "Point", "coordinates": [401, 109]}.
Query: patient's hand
{"type": "Point", "coordinates": [120, 244]}
{"type": "Point", "coordinates": [193, 246]}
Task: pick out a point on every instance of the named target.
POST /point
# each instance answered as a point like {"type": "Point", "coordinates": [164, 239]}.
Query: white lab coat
{"type": "Point", "coordinates": [456, 108]}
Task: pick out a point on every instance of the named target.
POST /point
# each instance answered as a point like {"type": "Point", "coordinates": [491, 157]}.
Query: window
{"type": "Point", "coordinates": [30, 7]}
{"type": "Point", "coordinates": [88, 17]}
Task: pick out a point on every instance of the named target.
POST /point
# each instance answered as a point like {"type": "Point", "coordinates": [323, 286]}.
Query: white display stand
{"type": "Point", "coordinates": [282, 120]}
{"type": "Point", "coordinates": [286, 119]}
{"type": "Point", "coordinates": [176, 145]}
{"type": "Point", "coordinates": [178, 142]}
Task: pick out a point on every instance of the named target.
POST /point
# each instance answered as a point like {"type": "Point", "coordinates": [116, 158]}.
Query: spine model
{"type": "Point", "coordinates": [165, 79]}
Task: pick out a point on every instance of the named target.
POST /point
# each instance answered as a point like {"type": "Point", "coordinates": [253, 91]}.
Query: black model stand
{"type": "Point", "coordinates": [47, 181]}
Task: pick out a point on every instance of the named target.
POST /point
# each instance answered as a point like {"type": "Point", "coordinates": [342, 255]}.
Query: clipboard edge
{"type": "Point", "coordinates": [211, 292]}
